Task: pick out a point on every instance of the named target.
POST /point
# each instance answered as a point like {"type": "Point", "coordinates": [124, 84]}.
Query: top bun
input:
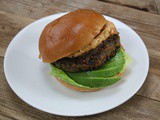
{"type": "Point", "coordinates": [69, 33]}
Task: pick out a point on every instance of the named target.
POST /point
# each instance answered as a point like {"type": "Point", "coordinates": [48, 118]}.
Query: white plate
{"type": "Point", "coordinates": [30, 80]}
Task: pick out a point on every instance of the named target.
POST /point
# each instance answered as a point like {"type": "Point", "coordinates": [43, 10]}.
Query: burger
{"type": "Point", "coordinates": [83, 50]}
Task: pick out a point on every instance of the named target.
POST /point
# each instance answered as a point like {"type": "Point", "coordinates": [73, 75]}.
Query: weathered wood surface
{"type": "Point", "coordinates": [16, 14]}
{"type": "Point", "coordinates": [143, 5]}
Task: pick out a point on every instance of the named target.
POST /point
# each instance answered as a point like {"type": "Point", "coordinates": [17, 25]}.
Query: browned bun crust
{"type": "Point", "coordinates": [80, 89]}
{"type": "Point", "coordinates": [69, 33]}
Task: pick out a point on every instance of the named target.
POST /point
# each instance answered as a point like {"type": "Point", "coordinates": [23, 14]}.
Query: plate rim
{"type": "Point", "coordinates": [72, 115]}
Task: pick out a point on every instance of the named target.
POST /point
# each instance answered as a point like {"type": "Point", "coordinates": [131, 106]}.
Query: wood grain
{"type": "Point", "coordinates": [143, 5]}
{"type": "Point", "coordinates": [12, 107]}
{"type": "Point", "coordinates": [143, 16]}
{"type": "Point", "coordinates": [5, 117]}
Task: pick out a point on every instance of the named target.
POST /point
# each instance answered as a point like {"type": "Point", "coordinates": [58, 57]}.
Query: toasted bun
{"type": "Point", "coordinates": [80, 89]}
{"type": "Point", "coordinates": [69, 33]}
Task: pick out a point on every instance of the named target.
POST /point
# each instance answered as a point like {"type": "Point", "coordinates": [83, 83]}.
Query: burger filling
{"type": "Point", "coordinates": [93, 59]}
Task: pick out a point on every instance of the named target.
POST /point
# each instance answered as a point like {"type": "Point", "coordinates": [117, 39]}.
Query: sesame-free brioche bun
{"type": "Point", "coordinates": [69, 33]}
{"type": "Point", "coordinates": [80, 89]}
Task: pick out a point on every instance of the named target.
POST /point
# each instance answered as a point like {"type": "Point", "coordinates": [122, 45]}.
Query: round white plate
{"type": "Point", "coordinates": [30, 80]}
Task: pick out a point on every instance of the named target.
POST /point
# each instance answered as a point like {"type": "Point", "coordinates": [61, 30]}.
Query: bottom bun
{"type": "Point", "coordinates": [80, 89]}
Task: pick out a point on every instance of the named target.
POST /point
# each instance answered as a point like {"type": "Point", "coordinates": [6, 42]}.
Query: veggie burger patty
{"type": "Point", "coordinates": [92, 59]}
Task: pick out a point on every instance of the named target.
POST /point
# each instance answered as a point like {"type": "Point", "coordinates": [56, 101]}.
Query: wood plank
{"type": "Point", "coordinates": [61, 5]}
{"type": "Point", "coordinates": [157, 2]}
{"type": "Point", "coordinates": [137, 107]}
{"type": "Point", "coordinates": [10, 25]}
{"type": "Point", "coordinates": [143, 5]}
{"type": "Point", "coordinates": [5, 117]}
{"type": "Point", "coordinates": [152, 83]}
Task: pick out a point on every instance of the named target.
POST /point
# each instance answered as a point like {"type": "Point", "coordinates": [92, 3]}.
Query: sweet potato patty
{"type": "Point", "coordinates": [92, 59]}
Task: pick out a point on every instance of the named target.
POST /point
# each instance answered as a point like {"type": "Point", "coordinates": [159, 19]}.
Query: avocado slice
{"type": "Point", "coordinates": [96, 82]}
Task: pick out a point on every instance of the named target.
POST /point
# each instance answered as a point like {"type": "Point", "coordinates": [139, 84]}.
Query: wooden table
{"type": "Point", "coordinates": [141, 15]}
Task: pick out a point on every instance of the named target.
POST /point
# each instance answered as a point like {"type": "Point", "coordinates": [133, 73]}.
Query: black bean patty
{"type": "Point", "coordinates": [92, 59]}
